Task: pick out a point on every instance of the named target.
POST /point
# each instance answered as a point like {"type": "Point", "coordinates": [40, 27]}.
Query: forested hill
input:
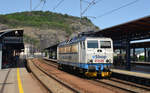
{"type": "Point", "coordinates": [46, 28]}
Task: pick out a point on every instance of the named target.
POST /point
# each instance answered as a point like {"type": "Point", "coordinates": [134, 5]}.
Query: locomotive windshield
{"type": "Point", "coordinates": [92, 44]}
{"type": "Point", "coordinates": [105, 44]}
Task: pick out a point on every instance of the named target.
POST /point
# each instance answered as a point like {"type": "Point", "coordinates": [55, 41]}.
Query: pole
{"type": "Point", "coordinates": [145, 54]}
{"type": "Point", "coordinates": [128, 65]}
{"type": "Point", "coordinates": [1, 56]}
{"type": "Point", "coordinates": [81, 9]}
{"type": "Point", "coordinates": [134, 56]}
{"type": "Point", "coordinates": [30, 5]}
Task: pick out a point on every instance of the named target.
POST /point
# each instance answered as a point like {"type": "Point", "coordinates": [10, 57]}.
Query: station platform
{"type": "Point", "coordinates": [138, 69]}
{"type": "Point", "coordinates": [141, 63]}
{"type": "Point", "coordinates": [50, 59]}
{"type": "Point", "coordinates": [18, 80]}
{"type": "Point", "coordinates": [131, 73]}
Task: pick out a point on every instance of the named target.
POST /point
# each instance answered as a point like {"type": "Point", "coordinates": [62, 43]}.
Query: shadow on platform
{"type": "Point", "coordinates": [134, 68]}
{"type": "Point", "coordinates": [15, 64]}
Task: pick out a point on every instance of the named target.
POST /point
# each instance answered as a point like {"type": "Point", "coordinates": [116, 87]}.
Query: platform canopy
{"type": "Point", "coordinates": [52, 47]}
{"type": "Point", "coordinates": [141, 45]}
{"type": "Point", "coordinates": [134, 30]}
{"type": "Point", "coordinates": [12, 38]}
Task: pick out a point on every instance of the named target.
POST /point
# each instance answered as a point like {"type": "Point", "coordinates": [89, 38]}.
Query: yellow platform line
{"type": "Point", "coordinates": [19, 82]}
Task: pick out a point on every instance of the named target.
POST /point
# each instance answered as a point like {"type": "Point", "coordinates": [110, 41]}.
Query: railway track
{"type": "Point", "coordinates": [75, 81]}
{"type": "Point", "coordinates": [57, 87]}
{"type": "Point", "coordinates": [119, 84]}
{"type": "Point", "coordinates": [51, 63]}
{"type": "Point", "coordinates": [123, 85]}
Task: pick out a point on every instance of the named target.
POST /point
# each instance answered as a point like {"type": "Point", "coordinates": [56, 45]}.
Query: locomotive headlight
{"type": "Point", "coordinates": [107, 61]}
{"type": "Point", "coordinates": [91, 60]}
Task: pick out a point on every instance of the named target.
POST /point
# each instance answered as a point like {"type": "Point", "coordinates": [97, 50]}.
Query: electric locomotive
{"type": "Point", "coordinates": [92, 56]}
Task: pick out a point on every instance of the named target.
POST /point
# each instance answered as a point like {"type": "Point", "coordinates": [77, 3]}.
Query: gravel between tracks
{"type": "Point", "coordinates": [113, 84]}
{"type": "Point", "coordinates": [54, 86]}
{"type": "Point", "coordinates": [78, 83]}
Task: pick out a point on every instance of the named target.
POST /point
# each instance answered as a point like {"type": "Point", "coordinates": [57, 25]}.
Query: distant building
{"type": "Point", "coordinates": [140, 54]}
{"type": "Point", "coordinates": [28, 50]}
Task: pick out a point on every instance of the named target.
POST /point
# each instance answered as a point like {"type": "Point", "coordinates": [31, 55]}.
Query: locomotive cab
{"type": "Point", "coordinates": [99, 56]}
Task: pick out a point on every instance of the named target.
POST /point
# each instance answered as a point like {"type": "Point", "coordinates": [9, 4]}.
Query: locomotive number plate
{"type": "Point", "coordinates": [99, 60]}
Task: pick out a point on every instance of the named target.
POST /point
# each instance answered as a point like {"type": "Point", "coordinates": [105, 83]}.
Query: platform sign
{"type": "Point", "coordinates": [0, 56]}
{"type": "Point", "coordinates": [12, 40]}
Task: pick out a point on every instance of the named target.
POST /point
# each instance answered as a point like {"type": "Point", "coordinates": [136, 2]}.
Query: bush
{"type": "Point", "coordinates": [141, 58]}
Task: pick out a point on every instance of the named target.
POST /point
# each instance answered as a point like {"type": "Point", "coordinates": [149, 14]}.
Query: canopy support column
{"type": "Point", "coordinates": [1, 56]}
{"type": "Point", "coordinates": [128, 58]}
{"type": "Point", "coordinates": [134, 55]}
{"type": "Point", "coordinates": [145, 54]}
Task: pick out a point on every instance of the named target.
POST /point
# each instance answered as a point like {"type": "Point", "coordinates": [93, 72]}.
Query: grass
{"type": "Point", "coordinates": [40, 19]}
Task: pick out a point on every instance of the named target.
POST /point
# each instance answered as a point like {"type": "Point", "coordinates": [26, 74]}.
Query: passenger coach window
{"type": "Point", "coordinates": [92, 44]}
{"type": "Point", "coordinates": [105, 44]}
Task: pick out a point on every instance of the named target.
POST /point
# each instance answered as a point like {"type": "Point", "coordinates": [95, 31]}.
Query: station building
{"type": "Point", "coordinates": [11, 44]}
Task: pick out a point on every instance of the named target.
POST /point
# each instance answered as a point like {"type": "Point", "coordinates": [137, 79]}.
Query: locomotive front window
{"type": "Point", "coordinates": [92, 44]}
{"type": "Point", "coordinates": [105, 44]}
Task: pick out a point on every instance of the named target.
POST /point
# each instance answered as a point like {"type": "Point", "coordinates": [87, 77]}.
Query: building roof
{"type": "Point", "coordinates": [4, 32]}
{"type": "Point", "coordinates": [133, 30]}
{"type": "Point", "coordinates": [12, 38]}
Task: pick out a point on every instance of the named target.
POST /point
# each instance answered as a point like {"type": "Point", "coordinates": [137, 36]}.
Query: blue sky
{"type": "Point", "coordinates": [72, 7]}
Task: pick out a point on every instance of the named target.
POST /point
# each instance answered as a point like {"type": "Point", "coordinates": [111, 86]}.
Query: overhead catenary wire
{"type": "Point", "coordinates": [89, 1]}
{"type": "Point", "coordinates": [81, 9]}
{"type": "Point", "coordinates": [90, 4]}
{"type": "Point", "coordinates": [116, 9]}
{"type": "Point", "coordinates": [86, 1]}
{"type": "Point", "coordinates": [58, 4]}
{"type": "Point", "coordinates": [43, 4]}
{"type": "Point", "coordinates": [44, 1]}
{"type": "Point", "coordinates": [37, 5]}
{"type": "Point", "coordinates": [30, 5]}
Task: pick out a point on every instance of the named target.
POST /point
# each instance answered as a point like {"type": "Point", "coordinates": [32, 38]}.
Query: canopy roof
{"type": "Point", "coordinates": [12, 38]}
{"type": "Point", "coordinates": [134, 30]}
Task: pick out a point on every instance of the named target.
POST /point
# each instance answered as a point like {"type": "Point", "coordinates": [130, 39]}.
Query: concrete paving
{"type": "Point", "coordinates": [9, 81]}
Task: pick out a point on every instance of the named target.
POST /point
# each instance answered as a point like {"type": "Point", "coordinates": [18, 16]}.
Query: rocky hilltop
{"type": "Point", "coordinates": [43, 29]}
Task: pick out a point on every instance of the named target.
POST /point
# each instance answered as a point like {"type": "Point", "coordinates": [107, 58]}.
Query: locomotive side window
{"type": "Point", "coordinates": [105, 44]}
{"type": "Point", "coordinates": [92, 44]}
{"type": "Point", "coordinates": [68, 48]}
{"type": "Point", "coordinates": [74, 48]}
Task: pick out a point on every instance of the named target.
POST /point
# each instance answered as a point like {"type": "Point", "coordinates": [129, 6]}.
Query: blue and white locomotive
{"type": "Point", "coordinates": [92, 56]}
